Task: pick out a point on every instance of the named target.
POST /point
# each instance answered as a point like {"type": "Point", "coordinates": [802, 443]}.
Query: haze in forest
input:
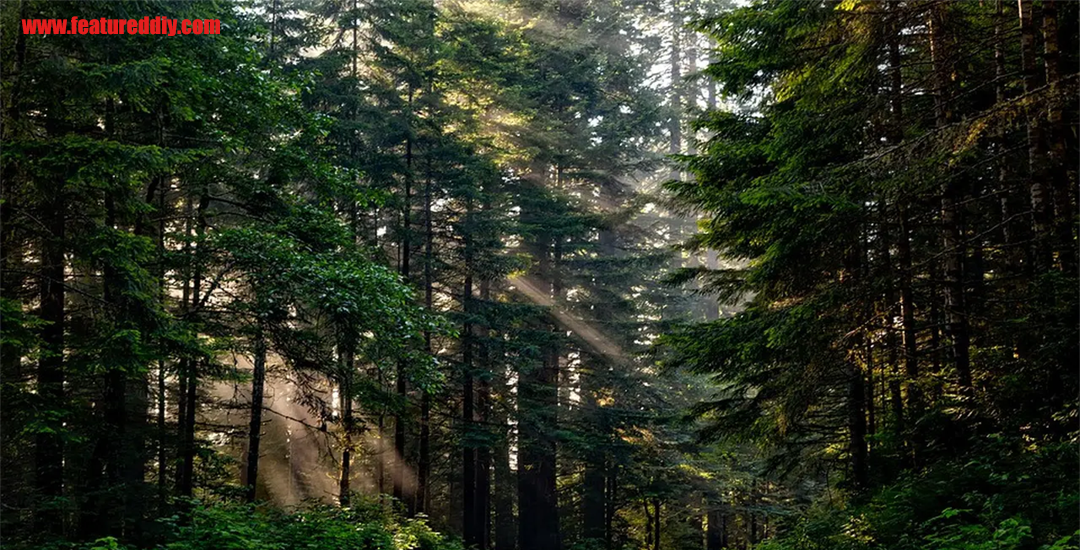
{"type": "Point", "coordinates": [542, 275]}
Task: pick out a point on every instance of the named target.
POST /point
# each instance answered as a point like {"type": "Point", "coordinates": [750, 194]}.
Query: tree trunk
{"type": "Point", "coordinates": [611, 505]}
{"type": "Point", "coordinates": [504, 480]}
{"type": "Point", "coordinates": [400, 463]}
{"type": "Point", "coordinates": [186, 470]}
{"type": "Point", "coordinates": [593, 505]}
{"type": "Point", "coordinates": [483, 452]}
{"type": "Point", "coordinates": [468, 451]}
{"type": "Point", "coordinates": [716, 536]}
{"type": "Point", "coordinates": [657, 518]}
{"type": "Point", "coordinates": [345, 395]}
{"type": "Point", "coordinates": [952, 234]}
{"type": "Point", "coordinates": [1040, 202]}
{"type": "Point", "coordinates": [423, 471]}
{"type": "Point", "coordinates": [1062, 183]}
{"type": "Point", "coordinates": [258, 379]}
{"type": "Point", "coordinates": [857, 428]}
{"type": "Point", "coordinates": [538, 499]}
{"type": "Point", "coordinates": [49, 444]}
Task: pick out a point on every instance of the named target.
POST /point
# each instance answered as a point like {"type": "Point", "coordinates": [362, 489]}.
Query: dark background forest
{"type": "Point", "coordinates": [542, 275]}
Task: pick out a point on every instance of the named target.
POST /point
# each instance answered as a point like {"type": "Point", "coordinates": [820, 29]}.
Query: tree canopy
{"type": "Point", "coordinates": [541, 275]}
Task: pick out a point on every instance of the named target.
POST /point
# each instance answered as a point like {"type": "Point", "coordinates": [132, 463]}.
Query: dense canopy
{"type": "Point", "coordinates": [541, 275]}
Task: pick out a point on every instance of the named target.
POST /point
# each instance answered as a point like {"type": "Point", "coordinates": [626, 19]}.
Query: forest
{"type": "Point", "coordinates": [541, 275]}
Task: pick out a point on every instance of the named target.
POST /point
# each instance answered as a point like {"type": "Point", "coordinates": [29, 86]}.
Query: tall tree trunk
{"type": "Point", "coordinates": [186, 470]}
{"type": "Point", "coordinates": [482, 500]}
{"type": "Point", "coordinates": [716, 535]}
{"type": "Point", "coordinates": [125, 397]}
{"type": "Point", "coordinates": [538, 501]}
{"type": "Point", "coordinates": [162, 453]}
{"type": "Point", "coordinates": [1062, 182]}
{"type": "Point", "coordinates": [952, 234]}
{"type": "Point", "coordinates": [400, 463]}
{"type": "Point", "coordinates": [871, 402]}
{"type": "Point", "coordinates": [423, 471]}
{"type": "Point", "coordinates": [611, 502]}
{"type": "Point", "coordinates": [505, 529]}
{"type": "Point", "coordinates": [1008, 227]}
{"type": "Point", "coordinates": [468, 451]}
{"type": "Point", "coordinates": [483, 452]}
{"type": "Point", "coordinates": [903, 245]}
{"type": "Point", "coordinates": [857, 428]}
{"type": "Point", "coordinates": [657, 518]}
{"type": "Point", "coordinates": [538, 404]}
{"type": "Point", "coordinates": [751, 533]}
{"type": "Point", "coordinates": [345, 395]}
{"type": "Point", "coordinates": [49, 444]}
{"type": "Point", "coordinates": [594, 507]}
{"type": "Point", "coordinates": [648, 524]}
{"type": "Point", "coordinates": [676, 99]}
{"type": "Point", "coordinates": [1040, 201]}
{"type": "Point", "coordinates": [258, 379]}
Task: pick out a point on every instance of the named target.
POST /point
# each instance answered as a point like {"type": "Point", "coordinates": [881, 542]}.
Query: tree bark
{"type": "Point", "coordinates": [185, 478]}
{"type": "Point", "coordinates": [49, 445]}
{"type": "Point", "coordinates": [258, 379]}
{"type": "Point", "coordinates": [400, 462]}
{"type": "Point", "coordinates": [423, 471]}
{"type": "Point", "coordinates": [857, 428]}
{"type": "Point", "coordinates": [345, 396]}
{"type": "Point", "coordinates": [505, 528]}
{"type": "Point", "coordinates": [1062, 184]}
{"type": "Point", "coordinates": [468, 452]}
{"type": "Point", "coordinates": [1040, 201]}
{"type": "Point", "coordinates": [952, 234]}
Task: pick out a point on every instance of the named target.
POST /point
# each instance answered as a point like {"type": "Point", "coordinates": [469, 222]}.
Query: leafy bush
{"type": "Point", "coordinates": [1003, 498]}
{"type": "Point", "coordinates": [314, 527]}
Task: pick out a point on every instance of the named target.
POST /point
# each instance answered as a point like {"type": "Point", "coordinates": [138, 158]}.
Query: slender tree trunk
{"type": "Point", "coordinates": [1008, 227]}
{"type": "Point", "coordinates": [903, 245]}
{"type": "Point", "coordinates": [1040, 201]}
{"type": "Point", "coordinates": [468, 450]}
{"type": "Point", "coordinates": [676, 99]}
{"type": "Point", "coordinates": [423, 473]}
{"type": "Point", "coordinates": [348, 425]}
{"type": "Point", "coordinates": [908, 334]}
{"type": "Point", "coordinates": [857, 428]}
{"type": "Point", "coordinates": [538, 404]}
{"type": "Point", "coordinates": [871, 402]}
{"type": "Point", "coordinates": [1062, 182]}
{"type": "Point", "coordinates": [752, 534]}
{"type": "Point", "coordinates": [49, 444]}
{"type": "Point", "coordinates": [716, 536]}
{"type": "Point", "coordinates": [162, 455]}
{"type": "Point", "coordinates": [123, 439]}
{"type": "Point", "coordinates": [648, 524]}
{"type": "Point", "coordinates": [400, 463]}
{"type": "Point", "coordinates": [538, 503]}
{"type": "Point", "coordinates": [952, 234]}
{"type": "Point", "coordinates": [258, 379]}
{"type": "Point", "coordinates": [505, 528]}
{"type": "Point", "coordinates": [483, 453]}
{"type": "Point", "coordinates": [483, 473]}
{"type": "Point", "coordinates": [657, 518]}
{"type": "Point", "coordinates": [611, 502]}
{"type": "Point", "coordinates": [593, 504]}
{"type": "Point", "coordinates": [186, 473]}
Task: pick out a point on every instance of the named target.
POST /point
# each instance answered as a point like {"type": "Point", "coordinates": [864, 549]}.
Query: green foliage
{"type": "Point", "coordinates": [313, 527]}
{"type": "Point", "coordinates": [1003, 499]}
{"type": "Point", "coordinates": [900, 338]}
